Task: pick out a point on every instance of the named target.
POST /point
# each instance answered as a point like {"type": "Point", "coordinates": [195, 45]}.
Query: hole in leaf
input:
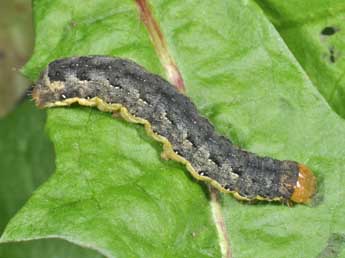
{"type": "Point", "coordinates": [328, 31]}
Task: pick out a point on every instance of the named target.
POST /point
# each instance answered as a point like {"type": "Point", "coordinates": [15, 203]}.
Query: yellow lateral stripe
{"type": "Point", "coordinates": [168, 152]}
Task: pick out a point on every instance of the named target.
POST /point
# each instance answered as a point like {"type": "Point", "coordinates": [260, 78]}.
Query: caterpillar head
{"type": "Point", "coordinates": [305, 186]}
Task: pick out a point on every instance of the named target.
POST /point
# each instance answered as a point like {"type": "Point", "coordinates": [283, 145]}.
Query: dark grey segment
{"type": "Point", "coordinates": [174, 116]}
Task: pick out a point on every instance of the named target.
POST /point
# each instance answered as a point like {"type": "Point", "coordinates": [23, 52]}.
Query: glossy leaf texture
{"type": "Point", "coordinates": [111, 190]}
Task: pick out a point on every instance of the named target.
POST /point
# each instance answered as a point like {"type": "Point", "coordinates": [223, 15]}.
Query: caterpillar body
{"type": "Point", "coordinates": [121, 86]}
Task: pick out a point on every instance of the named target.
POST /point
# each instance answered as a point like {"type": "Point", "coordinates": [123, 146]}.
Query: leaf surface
{"type": "Point", "coordinates": [314, 32]}
{"type": "Point", "coordinates": [26, 158]}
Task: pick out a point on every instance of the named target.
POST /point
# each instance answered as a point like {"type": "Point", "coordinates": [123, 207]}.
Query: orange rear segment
{"type": "Point", "coordinates": [306, 185]}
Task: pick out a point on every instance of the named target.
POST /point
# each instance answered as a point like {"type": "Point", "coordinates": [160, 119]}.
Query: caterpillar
{"type": "Point", "coordinates": [122, 87]}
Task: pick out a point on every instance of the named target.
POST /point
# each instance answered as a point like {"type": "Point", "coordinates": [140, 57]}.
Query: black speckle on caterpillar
{"type": "Point", "coordinates": [121, 86]}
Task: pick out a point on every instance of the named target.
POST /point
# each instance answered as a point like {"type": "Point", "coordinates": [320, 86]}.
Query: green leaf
{"type": "Point", "coordinates": [111, 190]}
{"type": "Point", "coordinates": [113, 193]}
{"type": "Point", "coordinates": [254, 91]}
{"type": "Point", "coordinates": [50, 248]}
{"type": "Point", "coordinates": [26, 158]}
{"type": "Point", "coordinates": [314, 31]}
{"type": "Point", "coordinates": [108, 195]}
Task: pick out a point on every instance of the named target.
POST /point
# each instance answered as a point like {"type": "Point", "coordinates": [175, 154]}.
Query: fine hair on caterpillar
{"type": "Point", "coordinates": [121, 86]}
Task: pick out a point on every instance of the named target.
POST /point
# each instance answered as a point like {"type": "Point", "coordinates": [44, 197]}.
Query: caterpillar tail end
{"type": "Point", "coordinates": [305, 186]}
